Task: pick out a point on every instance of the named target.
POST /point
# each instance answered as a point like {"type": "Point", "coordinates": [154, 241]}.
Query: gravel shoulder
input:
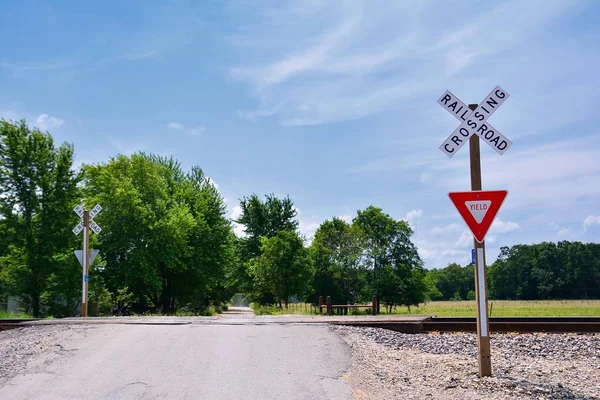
{"type": "Point", "coordinates": [391, 365]}
{"type": "Point", "coordinates": [31, 348]}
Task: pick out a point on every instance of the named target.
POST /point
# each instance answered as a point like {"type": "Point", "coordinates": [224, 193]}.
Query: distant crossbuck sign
{"type": "Point", "coordinates": [92, 224]}
{"type": "Point", "coordinates": [474, 122]}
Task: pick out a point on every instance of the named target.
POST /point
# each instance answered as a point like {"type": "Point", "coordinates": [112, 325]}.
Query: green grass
{"type": "Point", "coordinates": [293, 309]}
{"type": "Point", "coordinates": [507, 308]}
{"type": "Point", "coordinates": [6, 315]}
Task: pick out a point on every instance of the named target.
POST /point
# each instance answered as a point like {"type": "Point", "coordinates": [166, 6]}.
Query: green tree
{"type": "Point", "coordinates": [260, 219]}
{"type": "Point", "coordinates": [336, 251]}
{"type": "Point", "coordinates": [454, 281]}
{"type": "Point", "coordinates": [563, 270]}
{"type": "Point", "coordinates": [265, 219]}
{"type": "Point", "coordinates": [165, 235]}
{"type": "Point", "coordinates": [386, 244]}
{"type": "Point", "coordinates": [283, 269]}
{"type": "Point", "coordinates": [38, 188]}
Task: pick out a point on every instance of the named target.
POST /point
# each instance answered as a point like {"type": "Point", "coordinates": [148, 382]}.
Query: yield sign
{"type": "Point", "coordinates": [93, 254]}
{"type": "Point", "coordinates": [478, 209]}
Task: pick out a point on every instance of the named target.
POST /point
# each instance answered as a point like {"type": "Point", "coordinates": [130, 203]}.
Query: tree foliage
{"type": "Point", "coordinates": [396, 270]}
{"type": "Point", "coordinates": [283, 269]}
{"type": "Point", "coordinates": [336, 252]}
{"type": "Point", "coordinates": [38, 188]}
{"type": "Point", "coordinates": [563, 270]}
{"type": "Point", "coordinates": [373, 256]}
{"type": "Point", "coordinates": [165, 235]}
{"type": "Point", "coordinates": [260, 219]}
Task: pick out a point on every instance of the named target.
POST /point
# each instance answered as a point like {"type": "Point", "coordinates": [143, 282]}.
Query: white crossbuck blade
{"type": "Point", "coordinates": [79, 210]}
{"type": "Point", "coordinates": [95, 211]}
{"type": "Point", "coordinates": [78, 228]}
{"type": "Point", "coordinates": [474, 122]}
{"type": "Point", "coordinates": [94, 227]}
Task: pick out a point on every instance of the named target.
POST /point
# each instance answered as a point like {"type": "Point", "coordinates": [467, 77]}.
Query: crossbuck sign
{"type": "Point", "coordinates": [474, 122]}
{"type": "Point", "coordinates": [84, 256]}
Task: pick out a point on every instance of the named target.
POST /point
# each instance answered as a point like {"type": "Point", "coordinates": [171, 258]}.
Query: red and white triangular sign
{"type": "Point", "coordinates": [478, 209]}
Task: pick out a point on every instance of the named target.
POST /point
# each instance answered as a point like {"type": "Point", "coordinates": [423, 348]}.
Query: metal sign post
{"type": "Point", "coordinates": [86, 223]}
{"type": "Point", "coordinates": [474, 125]}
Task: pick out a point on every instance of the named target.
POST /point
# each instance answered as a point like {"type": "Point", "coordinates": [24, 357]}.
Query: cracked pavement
{"type": "Point", "coordinates": [191, 361]}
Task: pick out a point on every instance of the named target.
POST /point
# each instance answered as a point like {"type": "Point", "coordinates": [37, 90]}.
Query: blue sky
{"type": "Point", "coordinates": [331, 102]}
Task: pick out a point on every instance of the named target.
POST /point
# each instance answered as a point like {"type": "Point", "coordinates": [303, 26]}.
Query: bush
{"type": "Point", "coordinates": [265, 310]}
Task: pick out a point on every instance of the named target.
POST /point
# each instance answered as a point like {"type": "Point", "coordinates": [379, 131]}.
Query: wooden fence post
{"type": "Point", "coordinates": [374, 300]}
{"type": "Point", "coordinates": [329, 309]}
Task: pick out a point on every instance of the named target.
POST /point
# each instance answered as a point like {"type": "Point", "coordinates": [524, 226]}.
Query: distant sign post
{"type": "Point", "coordinates": [84, 256]}
{"type": "Point", "coordinates": [478, 212]}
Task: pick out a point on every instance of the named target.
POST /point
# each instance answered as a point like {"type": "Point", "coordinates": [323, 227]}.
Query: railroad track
{"type": "Point", "coordinates": [12, 323]}
{"type": "Point", "coordinates": [447, 324]}
{"type": "Point", "coordinates": [497, 324]}
{"type": "Point", "coordinates": [516, 324]}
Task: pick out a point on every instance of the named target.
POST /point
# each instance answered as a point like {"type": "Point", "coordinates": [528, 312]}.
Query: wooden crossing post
{"type": "Point", "coordinates": [483, 327]}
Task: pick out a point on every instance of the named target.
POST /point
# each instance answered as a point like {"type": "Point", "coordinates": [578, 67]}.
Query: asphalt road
{"type": "Point", "coordinates": [273, 361]}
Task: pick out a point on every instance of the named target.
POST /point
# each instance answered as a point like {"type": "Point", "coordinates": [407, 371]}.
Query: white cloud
{"type": "Point", "coordinates": [465, 239]}
{"type": "Point", "coordinates": [211, 182]}
{"type": "Point", "coordinates": [175, 125]}
{"type": "Point", "coordinates": [308, 228]}
{"type": "Point", "coordinates": [499, 226]}
{"type": "Point", "coordinates": [451, 228]}
{"type": "Point", "coordinates": [591, 220]}
{"type": "Point", "coordinates": [9, 115]}
{"type": "Point", "coordinates": [561, 231]}
{"type": "Point", "coordinates": [347, 218]}
{"type": "Point", "coordinates": [45, 122]}
{"type": "Point", "coordinates": [238, 229]}
{"type": "Point", "coordinates": [414, 215]}
{"type": "Point", "coordinates": [197, 131]}
{"type": "Point", "coordinates": [339, 61]}
{"type": "Point", "coordinates": [236, 212]}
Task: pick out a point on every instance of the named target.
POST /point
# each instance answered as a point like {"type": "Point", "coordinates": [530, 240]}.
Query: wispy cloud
{"type": "Point", "coordinates": [47, 65]}
{"type": "Point", "coordinates": [355, 59]}
{"type": "Point", "coordinates": [192, 131]}
{"type": "Point", "coordinates": [175, 125]}
{"type": "Point", "coordinates": [9, 115]}
{"type": "Point", "coordinates": [45, 122]}
{"type": "Point", "coordinates": [591, 220]}
{"type": "Point", "coordinates": [236, 212]}
{"type": "Point", "coordinates": [196, 131]}
{"type": "Point", "coordinates": [450, 228]}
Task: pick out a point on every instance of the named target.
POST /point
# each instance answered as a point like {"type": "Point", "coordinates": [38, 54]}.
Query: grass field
{"type": "Point", "coordinates": [506, 308]}
{"type": "Point", "coordinates": [5, 315]}
{"type": "Point", "coordinates": [497, 308]}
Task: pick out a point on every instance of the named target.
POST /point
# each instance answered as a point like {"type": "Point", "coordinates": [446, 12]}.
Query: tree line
{"type": "Point", "coordinates": [543, 271]}
{"type": "Point", "coordinates": [167, 245]}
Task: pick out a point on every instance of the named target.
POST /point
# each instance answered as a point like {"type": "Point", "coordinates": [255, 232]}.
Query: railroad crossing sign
{"type": "Point", "coordinates": [474, 122]}
{"type": "Point", "coordinates": [85, 257]}
{"type": "Point", "coordinates": [92, 224]}
{"type": "Point", "coordinates": [478, 209]}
